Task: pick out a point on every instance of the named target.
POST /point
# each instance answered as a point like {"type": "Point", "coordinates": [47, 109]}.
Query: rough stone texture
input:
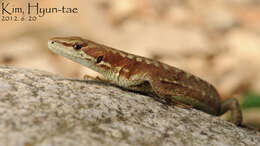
{"type": "Point", "coordinates": [38, 108]}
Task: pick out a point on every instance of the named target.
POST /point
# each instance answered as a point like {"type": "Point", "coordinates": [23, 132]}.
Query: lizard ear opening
{"type": "Point", "coordinates": [77, 46]}
{"type": "Point", "coordinates": [99, 59]}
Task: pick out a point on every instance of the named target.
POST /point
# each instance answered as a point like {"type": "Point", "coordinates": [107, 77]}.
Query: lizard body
{"type": "Point", "coordinates": [146, 75]}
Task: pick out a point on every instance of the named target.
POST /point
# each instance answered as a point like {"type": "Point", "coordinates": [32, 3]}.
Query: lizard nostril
{"type": "Point", "coordinates": [52, 42]}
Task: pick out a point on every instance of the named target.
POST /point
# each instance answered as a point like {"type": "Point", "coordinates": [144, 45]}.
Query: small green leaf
{"type": "Point", "coordinates": [251, 100]}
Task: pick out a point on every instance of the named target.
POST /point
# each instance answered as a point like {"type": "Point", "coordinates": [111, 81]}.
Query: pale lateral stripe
{"type": "Point", "coordinates": [138, 59]}
{"type": "Point", "coordinates": [122, 54]}
{"type": "Point", "coordinates": [148, 61]}
{"type": "Point", "coordinates": [130, 56]}
{"type": "Point", "coordinates": [126, 70]}
{"type": "Point", "coordinates": [113, 51]}
{"type": "Point", "coordinates": [165, 66]}
{"type": "Point", "coordinates": [188, 75]}
{"type": "Point", "coordinates": [105, 63]}
{"type": "Point", "coordinates": [155, 63]}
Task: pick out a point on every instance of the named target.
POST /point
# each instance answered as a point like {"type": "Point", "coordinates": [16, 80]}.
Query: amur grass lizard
{"type": "Point", "coordinates": [146, 75]}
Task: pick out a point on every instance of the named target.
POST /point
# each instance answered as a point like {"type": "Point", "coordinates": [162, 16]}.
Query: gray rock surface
{"type": "Point", "coordinates": [38, 108]}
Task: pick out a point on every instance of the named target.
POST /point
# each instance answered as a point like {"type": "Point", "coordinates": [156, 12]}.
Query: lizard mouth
{"type": "Point", "coordinates": [68, 52]}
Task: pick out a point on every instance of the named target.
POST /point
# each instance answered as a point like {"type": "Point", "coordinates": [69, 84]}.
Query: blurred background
{"type": "Point", "coordinates": [217, 40]}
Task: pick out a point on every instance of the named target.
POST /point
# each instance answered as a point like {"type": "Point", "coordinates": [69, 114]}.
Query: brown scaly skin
{"type": "Point", "coordinates": [146, 75]}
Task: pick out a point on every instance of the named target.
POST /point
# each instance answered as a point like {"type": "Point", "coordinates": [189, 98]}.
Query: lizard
{"type": "Point", "coordinates": [146, 75]}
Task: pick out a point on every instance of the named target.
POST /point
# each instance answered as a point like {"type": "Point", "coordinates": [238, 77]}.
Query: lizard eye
{"type": "Point", "coordinates": [99, 59]}
{"type": "Point", "coordinates": [77, 46]}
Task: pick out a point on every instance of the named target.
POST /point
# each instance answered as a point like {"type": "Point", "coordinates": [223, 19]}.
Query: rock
{"type": "Point", "coordinates": [38, 108]}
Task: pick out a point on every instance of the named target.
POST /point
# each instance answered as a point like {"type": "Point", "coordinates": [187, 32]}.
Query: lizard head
{"type": "Point", "coordinates": [85, 52]}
